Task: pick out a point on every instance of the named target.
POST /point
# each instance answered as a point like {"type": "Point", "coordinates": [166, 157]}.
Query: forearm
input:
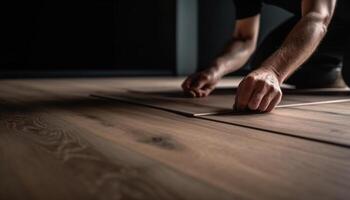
{"type": "Point", "coordinates": [297, 47]}
{"type": "Point", "coordinates": [236, 54]}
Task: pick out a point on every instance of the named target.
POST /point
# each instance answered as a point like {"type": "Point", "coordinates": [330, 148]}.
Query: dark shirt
{"type": "Point", "coordinates": [249, 8]}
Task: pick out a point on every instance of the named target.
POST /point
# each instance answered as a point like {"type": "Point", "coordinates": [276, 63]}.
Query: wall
{"type": "Point", "coordinates": [111, 37]}
{"type": "Point", "coordinates": [117, 37]}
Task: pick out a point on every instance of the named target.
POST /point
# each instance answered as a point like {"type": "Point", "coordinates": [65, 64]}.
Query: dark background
{"type": "Point", "coordinates": [108, 37]}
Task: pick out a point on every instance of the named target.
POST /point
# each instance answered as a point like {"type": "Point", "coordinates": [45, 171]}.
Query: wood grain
{"type": "Point", "coordinates": [243, 162]}
{"type": "Point", "coordinates": [326, 122]}
{"type": "Point", "coordinates": [220, 101]}
{"type": "Point", "coordinates": [47, 158]}
{"type": "Point", "coordinates": [57, 143]}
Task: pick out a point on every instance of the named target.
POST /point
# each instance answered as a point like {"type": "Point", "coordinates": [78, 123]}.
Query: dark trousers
{"type": "Point", "coordinates": [333, 54]}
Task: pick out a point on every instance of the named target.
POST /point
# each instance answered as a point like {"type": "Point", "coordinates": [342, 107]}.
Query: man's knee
{"type": "Point", "coordinates": [318, 72]}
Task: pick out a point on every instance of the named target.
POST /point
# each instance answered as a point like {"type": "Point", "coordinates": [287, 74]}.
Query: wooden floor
{"type": "Point", "coordinates": [58, 142]}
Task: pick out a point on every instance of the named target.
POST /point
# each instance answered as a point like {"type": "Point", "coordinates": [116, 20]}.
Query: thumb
{"type": "Point", "coordinates": [199, 83]}
{"type": "Point", "coordinates": [208, 89]}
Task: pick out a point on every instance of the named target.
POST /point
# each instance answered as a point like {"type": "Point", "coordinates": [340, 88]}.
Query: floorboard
{"type": "Point", "coordinates": [318, 122]}
{"type": "Point", "coordinates": [45, 157]}
{"type": "Point", "coordinates": [219, 102]}
{"type": "Point", "coordinates": [56, 142]}
{"type": "Point", "coordinates": [244, 162]}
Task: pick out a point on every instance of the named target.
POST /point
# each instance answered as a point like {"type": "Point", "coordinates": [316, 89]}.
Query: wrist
{"type": "Point", "coordinates": [279, 76]}
{"type": "Point", "coordinates": [220, 67]}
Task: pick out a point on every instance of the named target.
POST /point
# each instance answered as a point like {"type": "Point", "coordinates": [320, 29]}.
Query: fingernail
{"type": "Point", "coordinates": [192, 94]}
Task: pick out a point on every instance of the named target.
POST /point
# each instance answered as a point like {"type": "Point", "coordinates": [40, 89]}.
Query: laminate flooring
{"type": "Point", "coordinates": [57, 142]}
{"type": "Point", "coordinates": [220, 101]}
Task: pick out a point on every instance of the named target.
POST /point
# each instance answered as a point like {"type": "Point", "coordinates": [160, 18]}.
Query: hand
{"type": "Point", "coordinates": [201, 84]}
{"type": "Point", "coordinates": [259, 91]}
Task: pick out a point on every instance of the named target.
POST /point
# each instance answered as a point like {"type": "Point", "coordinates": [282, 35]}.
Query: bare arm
{"type": "Point", "coordinates": [236, 54]}
{"type": "Point", "coordinates": [260, 90]}
{"type": "Point", "coordinates": [303, 39]}
{"type": "Point", "coordinates": [241, 47]}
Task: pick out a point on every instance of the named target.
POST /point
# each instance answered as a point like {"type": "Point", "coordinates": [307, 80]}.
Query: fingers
{"type": "Point", "coordinates": [202, 80]}
{"type": "Point", "coordinates": [204, 91]}
{"type": "Point", "coordinates": [274, 102]}
{"type": "Point", "coordinates": [265, 102]}
{"type": "Point", "coordinates": [208, 89]}
{"type": "Point", "coordinates": [244, 93]}
{"type": "Point", "coordinates": [257, 95]}
{"type": "Point", "coordinates": [270, 100]}
{"type": "Point", "coordinates": [187, 83]}
{"type": "Point", "coordinates": [198, 85]}
{"type": "Point", "coordinates": [260, 91]}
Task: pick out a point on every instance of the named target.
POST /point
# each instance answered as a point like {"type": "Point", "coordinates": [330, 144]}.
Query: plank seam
{"type": "Point", "coordinates": [279, 133]}
{"type": "Point", "coordinates": [229, 123]}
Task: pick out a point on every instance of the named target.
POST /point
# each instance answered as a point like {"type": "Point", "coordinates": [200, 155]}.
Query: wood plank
{"type": "Point", "coordinates": [220, 101]}
{"type": "Point", "coordinates": [249, 164]}
{"type": "Point", "coordinates": [320, 91]}
{"type": "Point", "coordinates": [44, 157]}
{"type": "Point", "coordinates": [150, 153]}
{"type": "Point", "coordinates": [326, 123]}
{"type": "Point", "coordinates": [338, 108]}
{"type": "Point", "coordinates": [89, 85]}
